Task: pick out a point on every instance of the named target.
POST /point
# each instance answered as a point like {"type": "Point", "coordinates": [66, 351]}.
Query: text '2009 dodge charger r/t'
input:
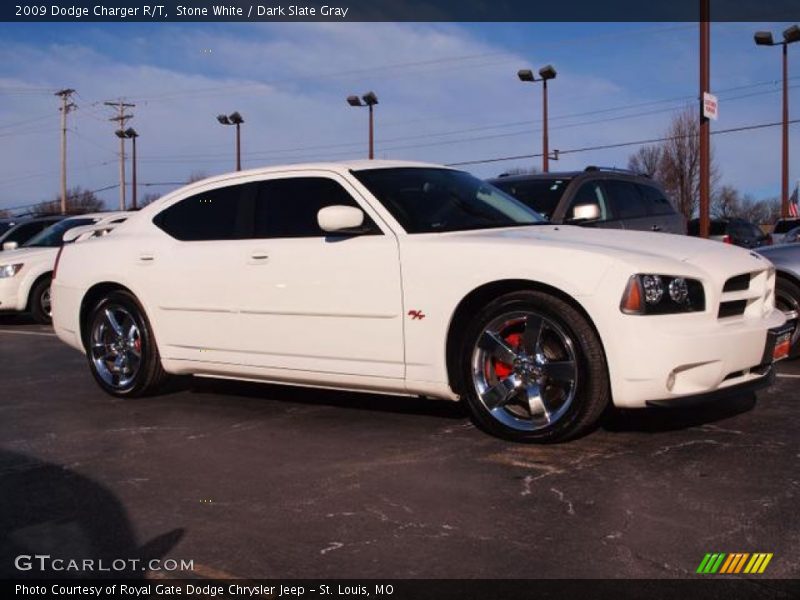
{"type": "Point", "coordinates": [414, 279]}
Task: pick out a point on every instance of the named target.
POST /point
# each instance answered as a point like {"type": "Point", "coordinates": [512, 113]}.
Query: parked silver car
{"type": "Point", "coordinates": [786, 258]}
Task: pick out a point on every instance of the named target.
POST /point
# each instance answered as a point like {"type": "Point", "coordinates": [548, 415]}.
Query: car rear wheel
{"type": "Point", "coordinates": [787, 300]}
{"type": "Point", "coordinates": [40, 303]}
{"type": "Point", "coordinates": [122, 353]}
{"type": "Point", "coordinates": [533, 369]}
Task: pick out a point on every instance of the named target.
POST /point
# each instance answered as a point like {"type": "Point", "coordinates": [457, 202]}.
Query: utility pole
{"type": "Point", "coordinates": [705, 125]}
{"type": "Point", "coordinates": [121, 119]}
{"type": "Point", "coordinates": [66, 107]}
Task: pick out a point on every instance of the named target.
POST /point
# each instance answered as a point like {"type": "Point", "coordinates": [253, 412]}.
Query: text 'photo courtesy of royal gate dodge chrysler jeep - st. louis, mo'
{"type": "Point", "coordinates": [417, 279]}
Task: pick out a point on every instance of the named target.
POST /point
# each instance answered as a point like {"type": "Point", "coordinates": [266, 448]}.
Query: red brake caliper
{"type": "Point", "coordinates": [501, 369]}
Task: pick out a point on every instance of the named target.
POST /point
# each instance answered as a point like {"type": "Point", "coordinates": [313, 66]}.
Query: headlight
{"type": "Point", "coordinates": [9, 270]}
{"type": "Point", "coordinates": [648, 294]}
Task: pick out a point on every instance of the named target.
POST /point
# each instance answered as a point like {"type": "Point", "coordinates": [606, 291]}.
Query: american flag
{"type": "Point", "coordinates": [793, 201]}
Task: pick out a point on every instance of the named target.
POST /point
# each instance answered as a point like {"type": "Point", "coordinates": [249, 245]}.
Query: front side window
{"type": "Point", "coordinates": [655, 200]}
{"type": "Point", "coordinates": [217, 214]}
{"type": "Point", "coordinates": [52, 237]}
{"type": "Point", "coordinates": [287, 208]}
{"type": "Point", "coordinates": [540, 194]}
{"type": "Point", "coordinates": [427, 200]}
{"type": "Point", "coordinates": [590, 193]}
{"type": "Point", "coordinates": [626, 199]}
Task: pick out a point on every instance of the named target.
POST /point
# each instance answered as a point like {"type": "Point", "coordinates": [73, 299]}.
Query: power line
{"type": "Point", "coordinates": [617, 145]}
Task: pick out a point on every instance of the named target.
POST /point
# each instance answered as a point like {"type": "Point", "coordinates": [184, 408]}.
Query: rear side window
{"type": "Point", "coordinates": [287, 208]}
{"type": "Point", "coordinates": [626, 200]}
{"type": "Point", "coordinates": [22, 233]}
{"type": "Point", "coordinates": [542, 195]}
{"type": "Point", "coordinates": [655, 200]}
{"type": "Point", "coordinates": [219, 214]}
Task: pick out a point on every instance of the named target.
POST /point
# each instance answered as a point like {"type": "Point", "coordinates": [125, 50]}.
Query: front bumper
{"type": "Point", "coordinates": [742, 388]}
{"type": "Point", "coordinates": [665, 360]}
{"type": "Point", "coordinates": [9, 294]}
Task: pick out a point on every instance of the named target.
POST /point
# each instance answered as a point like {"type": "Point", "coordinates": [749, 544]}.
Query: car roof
{"type": "Point", "coordinates": [339, 167]}
{"type": "Point", "coordinates": [589, 172]}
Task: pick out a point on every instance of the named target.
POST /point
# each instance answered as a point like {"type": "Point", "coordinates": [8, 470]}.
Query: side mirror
{"type": "Point", "coordinates": [340, 219]}
{"type": "Point", "coordinates": [585, 212]}
{"type": "Point", "coordinates": [10, 246]}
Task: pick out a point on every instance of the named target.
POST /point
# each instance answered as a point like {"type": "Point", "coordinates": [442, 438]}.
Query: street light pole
{"type": "Point", "coordinates": [764, 38]}
{"type": "Point", "coordinates": [369, 100]}
{"type": "Point", "coordinates": [705, 124]}
{"type": "Point", "coordinates": [785, 141]}
{"type": "Point", "coordinates": [131, 134]}
{"type": "Point", "coordinates": [133, 169]}
{"type": "Point", "coordinates": [234, 119]}
{"type": "Point", "coordinates": [545, 73]}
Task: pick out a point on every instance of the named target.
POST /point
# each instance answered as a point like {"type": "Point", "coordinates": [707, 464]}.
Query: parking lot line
{"type": "Point", "coordinates": [13, 331]}
{"type": "Point", "coordinates": [788, 376]}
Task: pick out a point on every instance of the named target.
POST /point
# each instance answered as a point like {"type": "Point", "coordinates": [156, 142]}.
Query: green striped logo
{"type": "Point", "coordinates": [734, 562]}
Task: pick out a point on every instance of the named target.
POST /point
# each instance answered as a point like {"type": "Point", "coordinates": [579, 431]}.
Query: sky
{"type": "Point", "coordinates": [448, 93]}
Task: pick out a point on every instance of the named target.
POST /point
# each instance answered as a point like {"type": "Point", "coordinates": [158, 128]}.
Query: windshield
{"type": "Point", "coordinates": [426, 200]}
{"type": "Point", "coordinates": [540, 194]}
{"type": "Point", "coordinates": [52, 236]}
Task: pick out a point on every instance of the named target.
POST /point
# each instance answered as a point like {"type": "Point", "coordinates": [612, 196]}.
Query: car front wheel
{"type": "Point", "coordinates": [533, 369]}
{"type": "Point", "coordinates": [122, 353]}
{"type": "Point", "coordinates": [40, 303]}
{"type": "Point", "coordinates": [787, 300]}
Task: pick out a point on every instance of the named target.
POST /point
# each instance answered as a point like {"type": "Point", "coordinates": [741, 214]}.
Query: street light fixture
{"type": "Point", "coordinates": [764, 38]}
{"type": "Point", "coordinates": [130, 133]}
{"type": "Point", "coordinates": [234, 119]}
{"type": "Point", "coordinates": [545, 73]}
{"type": "Point", "coordinates": [369, 100]}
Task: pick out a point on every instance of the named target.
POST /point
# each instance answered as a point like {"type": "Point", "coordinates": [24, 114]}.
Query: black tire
{"type": "Point", "coordinates": [787, 298]}
{"type": "Point", "coordinates": [148, 376]}
{"type": "Point", "coordinates": [568, 338]}
{"type": "Point", "coordinates": [39, 301]}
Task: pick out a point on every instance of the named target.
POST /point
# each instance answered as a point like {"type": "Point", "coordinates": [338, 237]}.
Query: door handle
{"type": "Point", "coordinates": [258, 257]}
{"type": "Point", "coordinates": [146, 258]}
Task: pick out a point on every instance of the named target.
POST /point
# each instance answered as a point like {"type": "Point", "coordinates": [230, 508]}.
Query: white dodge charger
{"type": "Point", "coordinates": [414, 279]}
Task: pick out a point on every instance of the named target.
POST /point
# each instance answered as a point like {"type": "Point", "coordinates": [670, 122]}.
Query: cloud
{"type": "Point", "coordinates": [289, 81]}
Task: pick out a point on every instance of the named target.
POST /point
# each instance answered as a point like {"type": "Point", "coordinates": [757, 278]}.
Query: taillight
{"type": "Point", "coordinates": [58, 258]}
{"type": "Point", "coordinates": [726, 239]}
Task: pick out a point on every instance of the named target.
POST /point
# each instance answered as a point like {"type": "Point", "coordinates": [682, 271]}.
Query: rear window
{"type": "Point", "coordinates": [542, 195]}
{"type": "Point", "coordinates": [715, 228]}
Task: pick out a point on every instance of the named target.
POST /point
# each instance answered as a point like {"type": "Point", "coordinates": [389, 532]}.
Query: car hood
{"type": "Point", "coordinates": [627, 245]}
{"type": "Point", "coordinates": [22, 255]}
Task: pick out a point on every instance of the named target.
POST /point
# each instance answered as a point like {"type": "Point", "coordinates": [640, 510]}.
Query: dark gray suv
{"type": "Point", "coordinates": [596, 197]}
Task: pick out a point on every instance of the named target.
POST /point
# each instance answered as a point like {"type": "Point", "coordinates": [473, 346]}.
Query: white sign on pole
{"type": "Point", "coordinates": [710, 106]}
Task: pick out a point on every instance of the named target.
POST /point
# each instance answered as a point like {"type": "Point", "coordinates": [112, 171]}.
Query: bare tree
{"type": "Point", "coordinates": [4, 214]}
{"type": "Point", "coordinates": [675, 162]}
{"type": "Point", "coordinates": [196, 176]}
{"type": "Point", "coordinates": [79, 201]}
{"type": "Point", "coordinates": [726, 203]}
{"type": "Point", "coordinates": [761, 212]}
{"type": "Point", "coordinates": [148, 198]}
{"type": "Point", "coordinates": [647, 160]}
{"type": "Point", "coordinates": [520, 171]}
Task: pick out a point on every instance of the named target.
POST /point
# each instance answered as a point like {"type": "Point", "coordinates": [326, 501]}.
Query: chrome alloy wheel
{"type": "Point", "coordinates": [525, 371]}
{"type": "Point", "coordinates": [789, 305]}
{"type": "Point", "coordinates": [116, 346]}
{"type": "Point", "coordinates": [47, 306]}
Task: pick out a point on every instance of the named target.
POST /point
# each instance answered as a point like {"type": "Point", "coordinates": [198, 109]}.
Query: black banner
{"type": "Point", "coordinates": [719, 588]}
{"type": "Point", "coordinates": [400, 10]}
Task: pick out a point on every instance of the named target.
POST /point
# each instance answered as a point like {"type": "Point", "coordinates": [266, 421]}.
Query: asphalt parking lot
{"type": "Point", "coordinates": [263, 481]}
